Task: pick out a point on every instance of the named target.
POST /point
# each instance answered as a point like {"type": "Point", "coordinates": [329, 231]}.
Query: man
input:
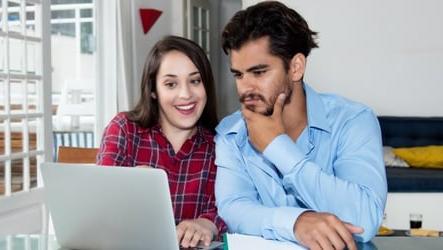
{"type": "Point", "coordinates": [294, 164]}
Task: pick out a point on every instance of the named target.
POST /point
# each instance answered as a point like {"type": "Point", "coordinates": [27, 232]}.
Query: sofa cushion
{"type": "Point", "coordinates": [391, 160]}
{"type": "Point", "coordinates": [412, 132]}
{"type": "Point", "coordinates": [428, 156]}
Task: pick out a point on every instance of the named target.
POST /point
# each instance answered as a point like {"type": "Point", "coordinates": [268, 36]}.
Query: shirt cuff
{"type": "Point", "coordinates": [283, 153]}
{"type": "Point", "coordinates": [283, 222]}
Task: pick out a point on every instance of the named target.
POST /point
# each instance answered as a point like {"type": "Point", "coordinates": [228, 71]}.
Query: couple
{"type": "Point", "coordinates": [292, 165]}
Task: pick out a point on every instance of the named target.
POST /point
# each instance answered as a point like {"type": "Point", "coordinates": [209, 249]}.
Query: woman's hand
{"type": "Point", "coordinates": [191, 232]}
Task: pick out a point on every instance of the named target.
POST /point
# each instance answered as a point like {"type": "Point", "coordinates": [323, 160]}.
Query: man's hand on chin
{"type": "Point", "coordinates": [325, 231]}
{"type": "Point", "coordinates": [263, 129]}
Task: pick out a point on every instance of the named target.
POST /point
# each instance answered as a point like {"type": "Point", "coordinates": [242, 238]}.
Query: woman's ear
{"type": "Point", "coordinates": [297, 67]}
{"type": "Point", "coordinates": [153, 95]}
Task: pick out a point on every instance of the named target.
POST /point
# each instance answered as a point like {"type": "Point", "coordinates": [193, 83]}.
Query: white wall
{"type": "Point", "coordinates": [400, 205]}
{"type": "Point", "coordinates": [386, 54]}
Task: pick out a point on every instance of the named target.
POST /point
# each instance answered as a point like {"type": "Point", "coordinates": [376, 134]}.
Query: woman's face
{"type": "Point", "coordinates": [180, 92]}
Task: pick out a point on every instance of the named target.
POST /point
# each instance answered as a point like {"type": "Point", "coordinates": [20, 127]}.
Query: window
{"type": "Point", "coordinates": [198, 23]}
{"type": "Point", "coordinates": [73, 77]}
{"type": "Point", "coordinates": [73, 57]}
{"type": "Point", "coordinates": [23, 86]}
{"type": "Point", "coordinates": [25, 99]}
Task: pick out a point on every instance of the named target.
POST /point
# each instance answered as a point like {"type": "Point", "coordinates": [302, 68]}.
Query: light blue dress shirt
{"type": "Point", "coordinates": [335, 166]}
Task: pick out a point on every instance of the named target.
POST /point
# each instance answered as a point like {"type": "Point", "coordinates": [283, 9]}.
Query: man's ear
{"type": "Point", "coordinates": [297, 67]}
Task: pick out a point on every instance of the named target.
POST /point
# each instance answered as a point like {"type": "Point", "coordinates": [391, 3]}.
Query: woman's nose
{"type": "Point", "coordinates": [185, 91]}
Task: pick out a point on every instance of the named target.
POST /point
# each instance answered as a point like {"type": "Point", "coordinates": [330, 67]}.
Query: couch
{"type": "Point", "coordinates": [411, 132]}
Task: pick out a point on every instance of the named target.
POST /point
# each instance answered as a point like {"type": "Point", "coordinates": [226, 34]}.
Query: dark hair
{"type": "Point", "coordinates": [288, 32]}
{"type": "Point", "coordinates": [146, 112]}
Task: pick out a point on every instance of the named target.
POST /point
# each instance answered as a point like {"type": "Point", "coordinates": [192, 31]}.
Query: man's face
{"type": "Point", "coordinates": [260, 76]}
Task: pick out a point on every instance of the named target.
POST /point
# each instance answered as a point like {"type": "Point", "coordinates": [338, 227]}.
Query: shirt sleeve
{"type": "Point", "coordinates": [210, 210]}
{"type": "Point", "coordinates": [113, 147]}
{"type": "Point", "coordinates": [356, 191]}
{"type": "Point", "coordinates": [238, 201]}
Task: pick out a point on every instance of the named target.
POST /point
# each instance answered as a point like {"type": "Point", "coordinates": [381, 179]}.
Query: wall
{"type": "Point", "coordinates": [386, 54]}
{"type": "Point", "coordinates": [400, 205]}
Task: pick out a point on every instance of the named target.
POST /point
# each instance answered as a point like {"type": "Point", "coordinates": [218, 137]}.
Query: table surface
{"type": "Point", "coordinates": [45, 242]}
{"type": "Point", "coordinates": [40, 242]}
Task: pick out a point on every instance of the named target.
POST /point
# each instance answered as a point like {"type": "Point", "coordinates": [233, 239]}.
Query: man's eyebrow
{"type": "Point", "coordinates": [253, 68]}
{"type": "Point", "coordinates": [257, 67]}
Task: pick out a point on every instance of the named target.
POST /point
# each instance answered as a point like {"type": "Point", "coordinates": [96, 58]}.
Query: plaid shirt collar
{"type": "Point", "coordinates": [201, 136]}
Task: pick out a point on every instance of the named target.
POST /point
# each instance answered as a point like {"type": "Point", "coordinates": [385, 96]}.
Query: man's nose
{"type": "Point", "coordinates": [246, 84]}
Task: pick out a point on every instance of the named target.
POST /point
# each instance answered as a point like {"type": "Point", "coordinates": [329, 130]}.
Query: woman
{"type": "Point", "coordinates": [172, 128]}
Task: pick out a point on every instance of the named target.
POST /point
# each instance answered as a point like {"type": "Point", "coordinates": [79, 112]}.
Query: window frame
{"type": "Point", "coordinates": [42, 79]}
{"type": "Point", "coordinates": [200, 5]}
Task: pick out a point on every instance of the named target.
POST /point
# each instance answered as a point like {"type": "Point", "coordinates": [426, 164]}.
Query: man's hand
{"type": "Point", "coordinates": [191, 232]}
{"type": "Point", "coordinates": [263, 129]}
{"type": "Point", "coordinates": [325, 231]}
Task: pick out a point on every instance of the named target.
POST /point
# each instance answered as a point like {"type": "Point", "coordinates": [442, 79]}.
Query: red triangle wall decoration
{"type": "Point", "coordinates": [148, 18]}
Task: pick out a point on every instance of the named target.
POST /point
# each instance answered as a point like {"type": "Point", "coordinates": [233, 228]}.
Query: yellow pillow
{"type": "Point", "coordinates": [428, 156]}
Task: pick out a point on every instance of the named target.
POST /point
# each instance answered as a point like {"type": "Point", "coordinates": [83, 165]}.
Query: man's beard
{"type": "Point", "coordinates": [269, 105]}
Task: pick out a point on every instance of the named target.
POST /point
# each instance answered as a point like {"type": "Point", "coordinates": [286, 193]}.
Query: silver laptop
{"type": "Point", "coordinates": [96, 207]}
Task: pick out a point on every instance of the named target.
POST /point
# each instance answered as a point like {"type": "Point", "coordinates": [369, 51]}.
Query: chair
{"type": "Point", "coordinates": [80, 139]}
{"type": "Point", "coordinates": [77, 155]}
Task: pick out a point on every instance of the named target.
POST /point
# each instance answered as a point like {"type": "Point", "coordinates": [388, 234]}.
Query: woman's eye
{"type": "Point", "coordinates": [196, 81]}
{"type": "Point", "coordinates": [170, 84]}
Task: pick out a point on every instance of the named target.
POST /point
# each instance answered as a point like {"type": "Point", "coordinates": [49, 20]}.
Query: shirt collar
{"type": "Point", "coordinates": [199, 137]}
{"type": "Point", "coordinates": [317, 116]}
{"type": "Point", "coordinates": [234, 123]}
{"type": "Point", "coordinates": [141, 130]}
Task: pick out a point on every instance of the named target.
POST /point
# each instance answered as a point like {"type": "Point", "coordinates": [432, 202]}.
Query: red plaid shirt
{"type": "Point", "coordinates": [191, 172]}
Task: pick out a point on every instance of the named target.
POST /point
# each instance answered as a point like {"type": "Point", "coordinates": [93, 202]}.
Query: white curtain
{"type": "Point", "coordinates": [114, 60]}
{"type": "Point", "coordinates": [125, 55]}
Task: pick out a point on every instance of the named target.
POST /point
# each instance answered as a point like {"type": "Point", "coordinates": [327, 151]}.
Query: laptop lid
{"type": "Point", "coordinates": [95, 207]}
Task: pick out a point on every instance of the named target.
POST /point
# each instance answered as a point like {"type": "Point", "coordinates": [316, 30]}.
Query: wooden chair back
{"type": "Point", "coordinates": [77, 155]}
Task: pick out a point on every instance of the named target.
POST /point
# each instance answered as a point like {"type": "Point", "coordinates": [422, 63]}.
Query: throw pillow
{"type": "Point", "coordinates": [427, 156]}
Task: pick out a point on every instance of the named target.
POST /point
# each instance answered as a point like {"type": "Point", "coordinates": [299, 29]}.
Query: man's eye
{"type": "Point", "coordinates": [237, 76]}
{"type": "Point", "coordinates": [259, 72]}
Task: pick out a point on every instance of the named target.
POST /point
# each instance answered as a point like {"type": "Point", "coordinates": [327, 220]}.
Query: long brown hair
{"type": "Point", "coordinates": [146, 112]}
